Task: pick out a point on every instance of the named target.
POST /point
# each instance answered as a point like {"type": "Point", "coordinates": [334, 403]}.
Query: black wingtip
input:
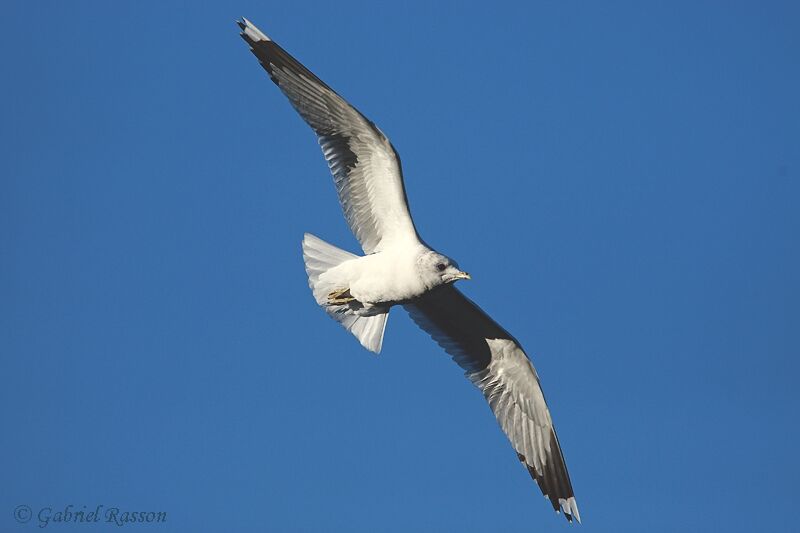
{"type": "Point", "coordinates": [241, 23]}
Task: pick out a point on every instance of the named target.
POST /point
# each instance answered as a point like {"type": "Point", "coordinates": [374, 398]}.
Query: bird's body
{"type": "Point", "coordinates": [399, 268]}
{"type": "Point", "coordinates": [384, 277]}
{"type": "Point", "coordinates": [399, 273]}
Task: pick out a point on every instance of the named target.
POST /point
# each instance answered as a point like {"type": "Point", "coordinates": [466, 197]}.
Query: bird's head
{"type": "Point", "coordinates": [437, 269]}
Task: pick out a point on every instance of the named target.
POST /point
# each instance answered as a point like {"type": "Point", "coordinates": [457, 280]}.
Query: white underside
{"type": "Point", "coordinates": [367, 325]}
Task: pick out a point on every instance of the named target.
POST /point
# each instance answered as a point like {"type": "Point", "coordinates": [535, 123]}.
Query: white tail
{"type": "Point", "coordinates": [319, 257]}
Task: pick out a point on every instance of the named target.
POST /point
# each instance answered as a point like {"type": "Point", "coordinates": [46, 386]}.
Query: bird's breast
{"type": "Point", "coordinates": [383, 278]}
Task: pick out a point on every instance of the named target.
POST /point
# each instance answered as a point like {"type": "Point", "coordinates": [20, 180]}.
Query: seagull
{"type": "Point", "coordinates": [400, 269]}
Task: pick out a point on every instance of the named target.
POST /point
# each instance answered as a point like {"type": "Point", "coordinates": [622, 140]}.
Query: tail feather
{"type": "Point", "coordinates": [319, 257]}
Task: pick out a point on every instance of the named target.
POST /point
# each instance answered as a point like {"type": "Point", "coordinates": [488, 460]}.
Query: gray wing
{"type": "Point", "coordinates": [495, 362]}
{"type": "Point", "coordinates": [365, 166]}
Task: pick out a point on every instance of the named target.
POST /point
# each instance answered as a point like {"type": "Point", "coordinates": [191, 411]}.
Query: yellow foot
{"type": "Point", "coordinates": [339, 297]}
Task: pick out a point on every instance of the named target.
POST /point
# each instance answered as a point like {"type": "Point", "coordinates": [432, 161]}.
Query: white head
{"type": "Point", "coordinates": [437, 269]}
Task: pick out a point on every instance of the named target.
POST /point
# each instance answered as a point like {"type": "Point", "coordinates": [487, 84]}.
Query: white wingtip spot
{"type": "Point", "coordinates": [570, 506]}
{"type": "Point", "coordinates": [254, 33]}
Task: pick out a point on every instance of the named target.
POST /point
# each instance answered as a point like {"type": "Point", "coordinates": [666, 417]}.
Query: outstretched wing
{"type": "Point", "coordinates": [494, 361]}
{"type": "Point", "coordinates": [364, 164]}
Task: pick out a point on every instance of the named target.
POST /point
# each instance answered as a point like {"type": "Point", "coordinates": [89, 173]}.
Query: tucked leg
{"type": "Point", "coordinates": [340, 297]}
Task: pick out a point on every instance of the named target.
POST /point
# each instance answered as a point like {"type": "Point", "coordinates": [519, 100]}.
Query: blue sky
{"type": "Point", "coordinates": [620, 179]}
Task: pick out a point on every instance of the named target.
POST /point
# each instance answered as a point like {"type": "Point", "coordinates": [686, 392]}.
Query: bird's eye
{"type": "Point", "coordinates": [440, 267]}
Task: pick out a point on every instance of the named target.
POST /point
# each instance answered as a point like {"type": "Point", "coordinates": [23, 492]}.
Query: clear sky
{"type": "Point", "coordinates": [621, 179]}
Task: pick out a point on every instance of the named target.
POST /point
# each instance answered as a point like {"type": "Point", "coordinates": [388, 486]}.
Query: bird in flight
{"type": "Point", "coordinates": [398, 268]}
